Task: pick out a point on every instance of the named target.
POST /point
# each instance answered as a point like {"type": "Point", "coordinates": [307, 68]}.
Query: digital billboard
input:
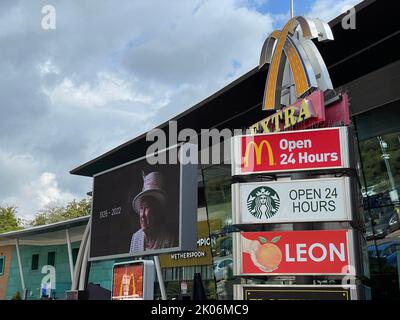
{"type": "Point", "coordinates": [138, 210]}
{"type": "Point", "coordinates": [133, 280]}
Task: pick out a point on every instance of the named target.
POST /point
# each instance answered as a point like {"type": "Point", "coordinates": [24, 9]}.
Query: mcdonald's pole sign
{"type": "Point", "coordinates": [290, 151]}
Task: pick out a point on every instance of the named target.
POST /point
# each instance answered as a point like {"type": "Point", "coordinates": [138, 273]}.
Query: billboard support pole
{"type": "Point", "coordinates": [160, 278]}
{"type": "Point", "coordinates": [21, 273]}
{"type": "Point", "coordinates": [84, 267]}
{"type": "Point", "coordinates": [78, 263]}
{"type": "Point", "coordinates": [70, 260]}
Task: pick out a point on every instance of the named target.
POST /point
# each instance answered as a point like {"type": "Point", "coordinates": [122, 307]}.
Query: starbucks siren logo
{"type": "Point", "coordinates": [263, 201]}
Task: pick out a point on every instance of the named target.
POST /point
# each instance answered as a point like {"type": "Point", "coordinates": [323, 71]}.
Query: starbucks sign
{"type": "Point", "coordinates": [263, 202]}
{"type": "Point", "coordinates": [292, 201]}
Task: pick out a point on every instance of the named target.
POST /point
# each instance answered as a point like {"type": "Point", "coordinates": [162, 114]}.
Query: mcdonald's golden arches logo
{"type": "Point", "coordinates": [125, 285]}
{"type": "Point", "coordinates": [293, 45]}
{"type": "Point", "coordinates": [258, 151]}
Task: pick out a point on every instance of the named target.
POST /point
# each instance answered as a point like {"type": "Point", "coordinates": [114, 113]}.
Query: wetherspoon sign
{"type": "Point", "coordinates": [290, 151]}
{"type": "Point", "coordinates": [323, 252]}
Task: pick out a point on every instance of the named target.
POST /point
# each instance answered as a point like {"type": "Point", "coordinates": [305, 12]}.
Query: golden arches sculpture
{"type": "Point", "coordinates": [294, 45]}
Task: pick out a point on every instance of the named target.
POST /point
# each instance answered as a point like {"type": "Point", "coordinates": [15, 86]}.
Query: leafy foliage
{"type": "Point", "coordinates": [374, 165]}
{"type": "Point", "coordinates": [53, 212]}
{"type": "Point", "coordinates": [16, 296]}
{"type": "Point", "coordinates": [9, 220]}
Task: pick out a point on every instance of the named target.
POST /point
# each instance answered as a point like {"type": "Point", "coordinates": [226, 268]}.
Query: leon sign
{"type": "Point", "coordinates": [292, 201]}
{"type": "Point", "coordinates": [327, 252]}
{"type": "Point", "coordinates": [291, 151]}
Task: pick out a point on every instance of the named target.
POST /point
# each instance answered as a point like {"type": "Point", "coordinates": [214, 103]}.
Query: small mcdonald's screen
{"type": "Point", "coordinates": [128, 281]}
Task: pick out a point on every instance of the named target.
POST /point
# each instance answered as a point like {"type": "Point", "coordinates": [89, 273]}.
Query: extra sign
{"type": "Point", "coordinates": [291, 151]}
{"type": "Point", "coordinates": [325, 252]}
{"type": "Point", "coordinates": [292, 201]}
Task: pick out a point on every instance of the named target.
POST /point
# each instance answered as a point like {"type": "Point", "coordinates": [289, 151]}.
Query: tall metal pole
{"type": "Point", "coordinates": [84, 267]}
{"type": "Point", "coordinates": [79, 259]}
{"type": "Point", "coordinates": [21, 273]}
{"type": "Point", "coordinates": [291, 9]}
{"type": "Point", "coordinates": [386, 157]}
{"type": "Point", "coordinates": [160, 278]}
{"type": "Point", "coordinates": [70, 259]}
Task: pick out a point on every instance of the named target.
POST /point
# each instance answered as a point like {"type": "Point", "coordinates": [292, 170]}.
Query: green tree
{"type": "Point", "coordinates": [54, 212]}
{"type": "Point", "coordinates": [9, 220]}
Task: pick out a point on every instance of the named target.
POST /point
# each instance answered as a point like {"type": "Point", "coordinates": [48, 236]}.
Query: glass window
{"type": "Point", "coordinates": [380, 163]}
{"type": "Point", "coordinates": [51, 258]}
{"type": "Point", "coordinates": [75, 252]}
{"type": "Point", "coordinates": [217, 183]}
{"type": "Point", "coordinates": [35, 262]}
{"type": "Point", "coordinates": [2, 262]}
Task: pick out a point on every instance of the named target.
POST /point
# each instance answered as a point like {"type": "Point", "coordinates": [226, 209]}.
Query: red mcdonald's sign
{"type": "Point", "coordinates": [290, 151]}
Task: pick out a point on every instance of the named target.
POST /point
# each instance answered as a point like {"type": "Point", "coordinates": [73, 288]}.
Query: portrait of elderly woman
{"type": "Point", "coordinates": [150, 205]}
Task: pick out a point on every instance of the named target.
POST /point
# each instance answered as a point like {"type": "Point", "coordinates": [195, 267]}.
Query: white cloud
{"type": "Point", "coordinates": [104, 91]}
{"type": "Point", "coordinates": [24, 185]}
{"type": "Point", "coordinates": [329, 9]}
{"type": "Point", "coordinates": [47, 67]}
{"type": "Point", "coordinates": [46, 190]}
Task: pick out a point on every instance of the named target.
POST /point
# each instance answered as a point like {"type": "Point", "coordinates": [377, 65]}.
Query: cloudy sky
{"type": "Point", "coordinates": [112, 70]}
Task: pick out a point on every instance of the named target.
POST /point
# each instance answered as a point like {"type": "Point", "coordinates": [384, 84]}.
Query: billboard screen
{"type": "Point", "coordinates": [322, 252]}
{"type": "Point", "coordinates": [128, 282]}
{"type": "Point", "coordinates": [137, 210]}
{"type": "Point", "coordinates": [133, 280]}
{"type": "Point", "coordinates": [290, 151]}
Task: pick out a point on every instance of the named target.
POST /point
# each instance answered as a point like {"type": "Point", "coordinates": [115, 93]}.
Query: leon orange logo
{"type": "Point", "coordinates": [268, 256]}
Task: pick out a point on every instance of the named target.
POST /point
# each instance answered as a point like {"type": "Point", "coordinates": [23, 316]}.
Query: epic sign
{"type": "Point", "coordinates": [290, 151]}
{"type": "Point", "coordinates": [294, 253]}
{"type": "Point", "coordinates": [292, 201]}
